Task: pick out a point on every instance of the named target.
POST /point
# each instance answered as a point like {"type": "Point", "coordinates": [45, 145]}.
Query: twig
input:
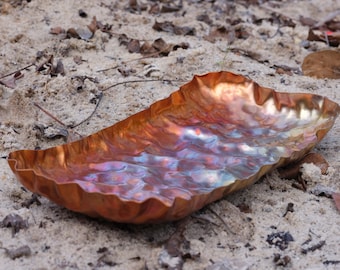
{"type": "Point", "coordinates": [136, 59]}
{"type": "Point", "coordinates": [71, 126]}
{"type": "Point", "coordinates": [9, 74]}
{"type": "Point", "coordinates": [278, 31]}
{"type": "Point", "coordinates": [329, 17]}
{"type": "Point", "coordinates": [327, 262]}
{"type": "Point", "coordinates": [128, 61]}
{"type": "Point", "coordinates": [49, 114]}
{"type": "Point", "coordinates": [221, 219]}
{"type": "Point", "coordinates": [314, 247]}
{"type": "Point", "coordinates": [100, 97]}
{"type": "Point", "coordinates": [326, 38]}
{"type": "Point", "coordinates": [136, 81]}
{"type": "Point", "coordinates": [57, 120]}
{"type": "Point", "coordinates": [205, 219]}
{"type": "Point", "coordinates": [106, 69]}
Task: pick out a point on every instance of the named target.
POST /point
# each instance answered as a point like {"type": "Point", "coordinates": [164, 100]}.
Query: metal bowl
{"type": "Point", "coordinates": [219, 133]}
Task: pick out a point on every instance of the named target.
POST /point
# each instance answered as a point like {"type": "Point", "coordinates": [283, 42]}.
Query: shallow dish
{"type": "Point", "coordinates": [219, 133]}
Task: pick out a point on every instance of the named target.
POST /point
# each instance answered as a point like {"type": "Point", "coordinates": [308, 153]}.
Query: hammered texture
{"type": "Point", "coordinates": [217, 134]}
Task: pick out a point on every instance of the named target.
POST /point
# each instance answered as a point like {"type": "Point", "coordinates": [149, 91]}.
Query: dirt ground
{"type": "Point", "coordinates": [250, 229]}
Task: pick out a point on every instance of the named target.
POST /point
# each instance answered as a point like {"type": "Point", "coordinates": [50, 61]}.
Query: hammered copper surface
{"type": "Point", "coordinates": [217, 134]}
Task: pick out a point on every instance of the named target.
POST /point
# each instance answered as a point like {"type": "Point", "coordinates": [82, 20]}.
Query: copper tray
{"type": "Point", "coordinates": [219, 133]}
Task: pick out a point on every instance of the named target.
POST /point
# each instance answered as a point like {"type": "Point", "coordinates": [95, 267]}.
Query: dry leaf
{"type": "Point", "coordinates": [322, 64]}
{"type": "Point", "coordinates": [133, 46]}
{"type": "Point", "coordinates": [307, 21]}
{"type": "Point", "coordinates": [14, 221]}
{"type": "Point", "coordinates": [49, 68]}
{"type": "Point", "coordinates": [93, 25]}
{"type": "Point", "coordinates": [230, 33]}
{"type": "Point", "coordinates": [57, 30]}
{"type": "Point", "coordinates": [126, 71]}
{"type": "Point", "coordinates": [18, 252]}
{"type": "Point", "coordinates": [81, 33]}
{"type": "Point", "coordinates": [281, 20]}
{"type": "Point", "coordinates": [72, 33]}
{"type": "Point", "coordinates": [287, 70]}
{"type": "Point", "coordinates": [330, 38]}
{"type": "Point", "coordinates": [158, 48]}
{"type": "Point", "coordinates": [58, 69]}
{"type": "Point", "coordinates": [78, 59]}
{"type": "Point", "coordinates": [204, 18]}
{"type": "Point", "coordinates": [84, 33]}
{"type": "Point", "coordinates": [171, 28]}
{"type": "Point", "coordinates": [171, 8]}
{"type": "Point", "coordinates": [11, 82]}
{"type": "Point", "coordinates": [147, 49]}
{"type": "Point", "coordinates": [292, 171]}
{"type": "Point", "coordinates": [154, 9]}
{"type": "Point", "coordinates": [135, 5]}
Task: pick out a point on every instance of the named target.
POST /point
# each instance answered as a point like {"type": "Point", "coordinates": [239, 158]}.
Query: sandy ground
{"type": "Point", "coordinates": [221, 236]}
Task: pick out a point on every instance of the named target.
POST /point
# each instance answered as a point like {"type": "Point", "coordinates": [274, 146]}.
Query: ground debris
{"type": "Point", "coordinates": [14, 221]}
{"type": "Point", "coordinates": [84, 33]}
{"type": "Point", "coordinates": [34, 199]}
{"type": "Point", "coordinates": [67, 133]}
{"type": "Point", "coordinates": [283, 69]}
{"type": "Point", "coordinates": [135, 5]}
{"type": "Point", "coordinates": [106, 258]}
{"type": "Point", "coordinates": [159, 47]}
{"type": "Point", "coordinates": [18, 252]}
{"type": "Point", "coordinates": [328, 262]}
{"type": "Point", "coordinates": [314, 247]}
{"type": "Point", "coordinates": [280, 239]}
{"type": "Point", "coordinates": [11, 82]}
{"type": "Point", "coordinates": [281, 260]}
{"type": "Point", "coordinates": [294, 170]}
{"type": "Point", "coordinates": [47, 67]}
{"type": "Point", "coordinates": [176, 250]}
{"type": "Point", "coordinates": [330, 38]}
{"type": "Point", "coordinates": [336, 198]}
{"type": "Point", "coordinates": [229, 264]}
{"type": "Point", "coordinates": [322, 191]}
{"type": "Point", "coordinates": [82, 13]}
{"type": "Point", "coordinates": [169, 27]}
{"type": "Point", "coordinates": [50, 133]}
{"type": "Point", "coordinates": [166, 7]}
{"type": "Point", "coordinates": [244, 208]}
{"type": "Point", "coordinates": [79, 81]}
{"type": "Point", "coordinates": [327, 30]}
{"type": "Point", "coordinates": [230, 33]}
{"type": "Point", "coordinates": [290, 208]}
